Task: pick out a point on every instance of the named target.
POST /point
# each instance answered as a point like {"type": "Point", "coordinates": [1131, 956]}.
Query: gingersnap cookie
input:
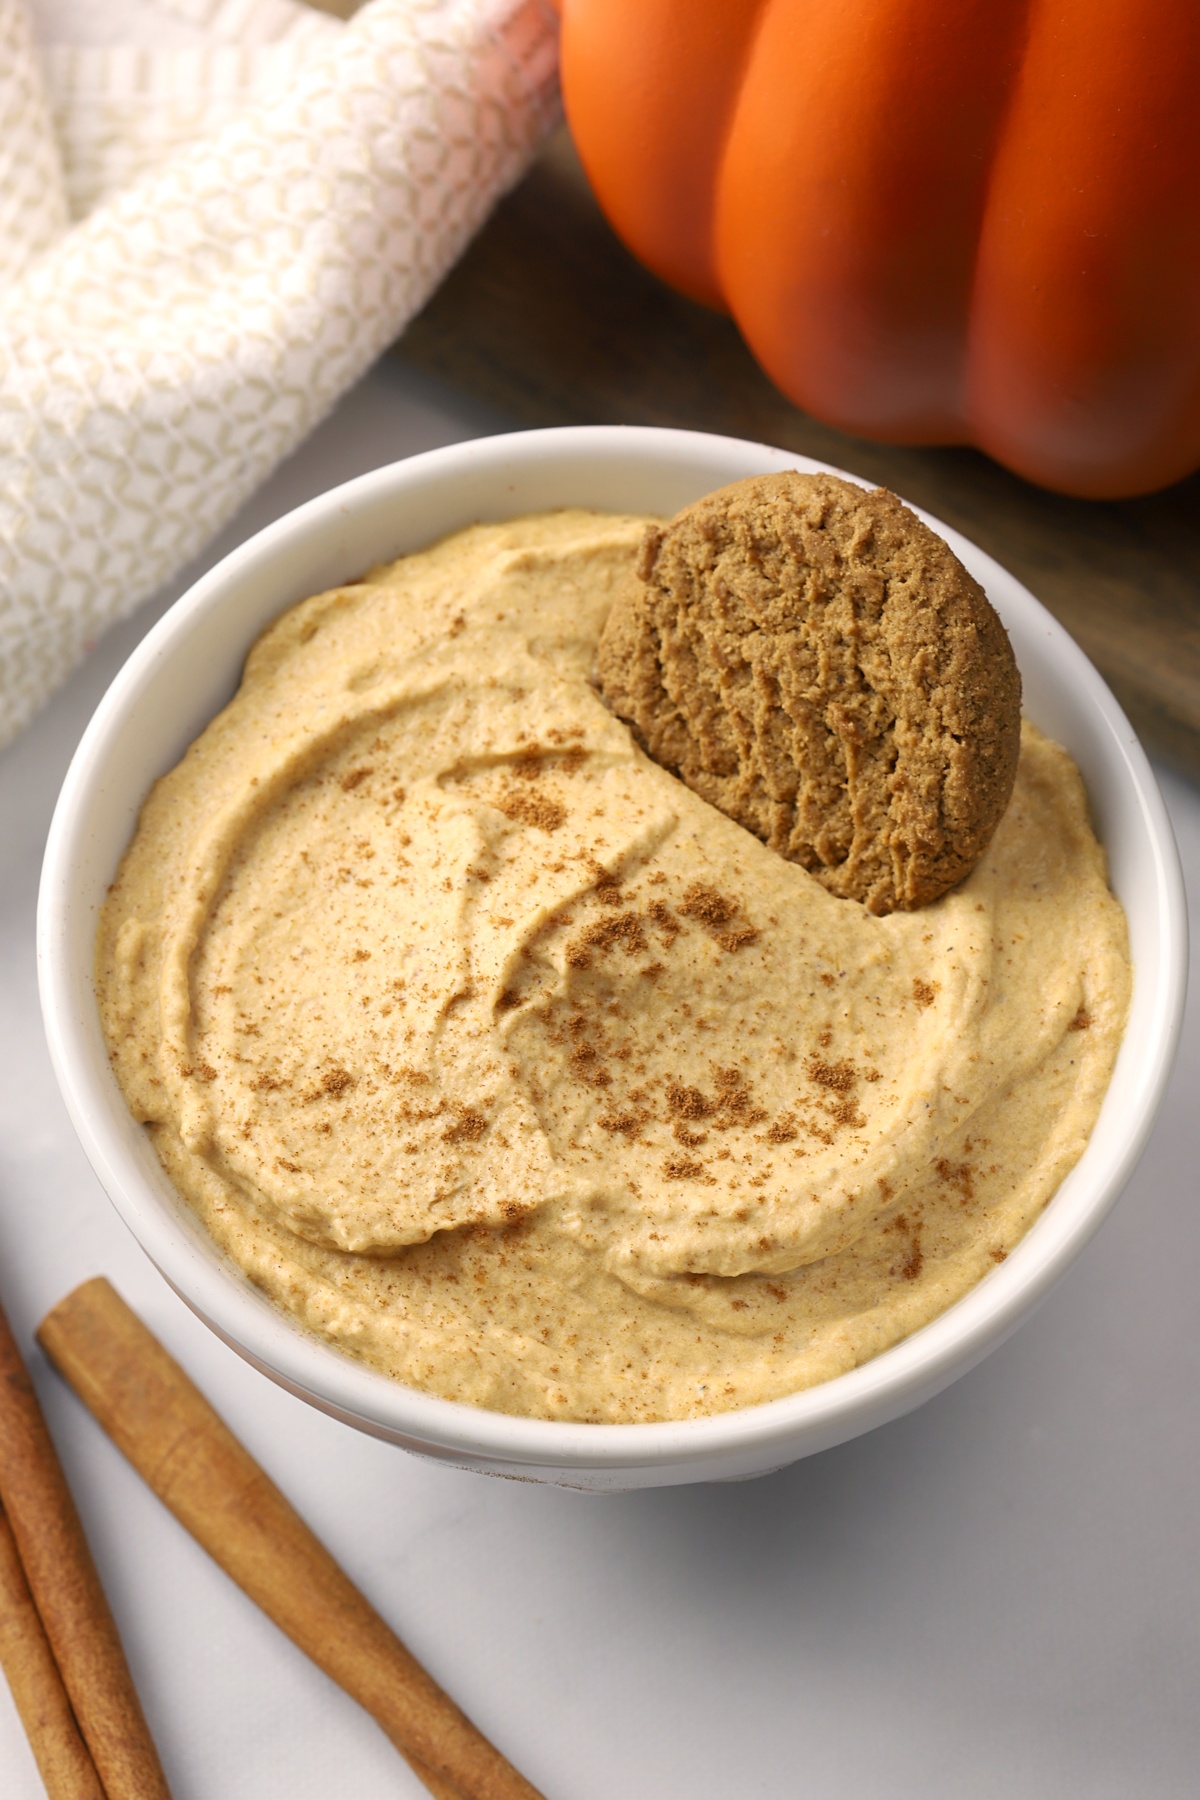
{"type": "Point", "coordinates": [812, 659]}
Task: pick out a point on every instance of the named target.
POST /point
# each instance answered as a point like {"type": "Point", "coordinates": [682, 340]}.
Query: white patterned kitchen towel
{"type": "Point", "coordinates": [203, 243]}
{"type": "Point", "coordinates": [132, 81]}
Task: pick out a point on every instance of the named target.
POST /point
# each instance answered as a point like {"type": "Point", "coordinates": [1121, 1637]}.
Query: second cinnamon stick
{"type": "Point", "coordinates": [182, 1448]}
{"type": "Point", "coordinates": [36, 1686]}
{"type": "Point", "coordinates": [67, 1592]}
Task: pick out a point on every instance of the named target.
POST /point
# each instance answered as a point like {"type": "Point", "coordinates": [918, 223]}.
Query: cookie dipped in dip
{"type": "Point", "coordinates": [508, 1064]}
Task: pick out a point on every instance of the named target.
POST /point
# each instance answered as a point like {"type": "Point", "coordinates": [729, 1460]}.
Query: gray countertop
{"type": "Point", "coordinates": [997, 1596]}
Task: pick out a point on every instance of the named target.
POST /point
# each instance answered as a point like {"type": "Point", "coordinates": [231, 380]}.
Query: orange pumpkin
{"type": "Point", "coordinates": [935, 221]}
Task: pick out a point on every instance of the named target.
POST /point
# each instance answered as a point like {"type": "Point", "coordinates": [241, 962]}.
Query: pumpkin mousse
{"type": "Point", "coordinates": [506, 1063]}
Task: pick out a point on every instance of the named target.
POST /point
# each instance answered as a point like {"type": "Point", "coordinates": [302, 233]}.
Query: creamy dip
{"type": "Point", "coordinates": [506, 1064]}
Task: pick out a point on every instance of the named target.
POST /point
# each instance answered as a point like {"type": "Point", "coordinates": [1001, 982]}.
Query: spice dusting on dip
{"type": "Point", "coordinates": [508, 1065]}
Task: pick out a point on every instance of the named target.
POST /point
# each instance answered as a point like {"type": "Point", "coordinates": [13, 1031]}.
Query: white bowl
{"type": "Point", "coordinates": [187, 668]}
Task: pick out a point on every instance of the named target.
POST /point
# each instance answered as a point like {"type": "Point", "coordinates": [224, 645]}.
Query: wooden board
{"type": "Point", "coordinates": [548, 318]}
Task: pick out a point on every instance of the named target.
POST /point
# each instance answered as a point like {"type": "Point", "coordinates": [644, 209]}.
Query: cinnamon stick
{"type": "Point", "coordinates": [67, 1593]}
{"type": "Point", "coordinates": [181, 1447]}
{"type": "Point", "coordinates": [37, 1690]}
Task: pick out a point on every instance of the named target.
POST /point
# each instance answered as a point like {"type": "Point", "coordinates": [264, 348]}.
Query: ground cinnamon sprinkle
{"type": "Point", "coordinates": [627, 1123]}
{"type": "Point", "coordinates": [420, 1115]}
{"type": "Point", "coordinates": [533, 759]}
{"type": "Point", "coordinates": [604, 934]}
{"type": "Point", "coordinates": [583, 1058]}
{"type": "Point", "coordinates": [840, 1077]}
{"type": "Point", "coordinates": [336, 1081]}
{"type": "Point", "coordinates": [687, 1106]}
{"type": "Point", "coordinates": [668, 925]}
{"type": "Point", "coordinates": [714, 911]}
{"type": "Point", "coordinates": [607, 888]}
{"type": "Point", "coordinates": [468, 1128]}
{"type": "Point", "coordinates": [959, 1176]}
{"type": "Point", "coordinates": [528, 762]}
{"type": "Point", "coordinates": [532, 809]}
{"type": "Point", "coordinates": [914, 1262]}
{"type": "Point", "coordinates": [688, 1102]}
{"type": "Point", "coordinates": [735, 1102]}
{"type": "Point", "coordinates": [732, 1105]}
{"type": "Point", "coordinates": [707, 905]}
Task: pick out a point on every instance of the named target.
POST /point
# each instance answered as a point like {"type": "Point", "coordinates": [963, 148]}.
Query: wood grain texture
{"type": "Point", "coordinates": [550, 319]}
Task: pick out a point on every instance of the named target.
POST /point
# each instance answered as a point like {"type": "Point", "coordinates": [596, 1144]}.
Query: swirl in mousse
{"type": "Point", "coordinates": [507, 1064]}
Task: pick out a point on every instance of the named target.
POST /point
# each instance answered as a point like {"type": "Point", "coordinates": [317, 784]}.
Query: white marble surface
{"type": "Point", "coordinates": [998, 1596]}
